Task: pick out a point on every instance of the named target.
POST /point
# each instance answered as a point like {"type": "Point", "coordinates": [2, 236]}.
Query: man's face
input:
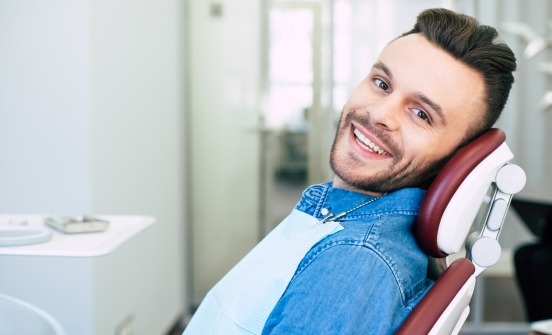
{"type": "Point", "coordinates": [405, 118]}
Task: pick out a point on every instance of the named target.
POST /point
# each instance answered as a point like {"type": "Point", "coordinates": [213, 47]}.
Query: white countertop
{"type": "Point", "coordinates": [120, 229]}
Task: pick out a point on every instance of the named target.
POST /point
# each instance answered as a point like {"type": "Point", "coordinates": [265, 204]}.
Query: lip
{"type": "Point", "coordinates": [361, 149]}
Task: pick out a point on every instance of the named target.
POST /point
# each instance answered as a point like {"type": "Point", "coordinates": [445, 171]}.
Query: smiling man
{"type": "Point", "coordinates": [413, 110]}
{"type": "Point", "coordinates": [345, 261]}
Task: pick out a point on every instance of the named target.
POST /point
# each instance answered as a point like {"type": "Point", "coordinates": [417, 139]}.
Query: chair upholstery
{"type": "Point", "coordinates": [477, 179]}
{"type": "Point", "coordinates": [440, 296]}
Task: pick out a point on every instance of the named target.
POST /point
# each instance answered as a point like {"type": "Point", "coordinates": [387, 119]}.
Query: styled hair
{"type": "Point", "coordinates": [478, 47]}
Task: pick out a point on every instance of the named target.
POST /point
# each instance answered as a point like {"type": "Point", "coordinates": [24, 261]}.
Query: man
{"type": "Point", "coordinates": [355, 267]}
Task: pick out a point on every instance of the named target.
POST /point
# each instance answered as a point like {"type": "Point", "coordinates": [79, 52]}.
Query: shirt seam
{"type": "Point", "coordinates": [322, 200]}
{"type": "Point", "coordinates": [352, 217]}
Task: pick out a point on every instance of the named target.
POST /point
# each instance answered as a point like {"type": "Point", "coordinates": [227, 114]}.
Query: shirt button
{"type": "Point", "coordinates": [324, 211]}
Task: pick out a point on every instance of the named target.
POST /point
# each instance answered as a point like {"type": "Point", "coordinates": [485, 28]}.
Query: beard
{"type": "Point", "coordinates": [397, 175]}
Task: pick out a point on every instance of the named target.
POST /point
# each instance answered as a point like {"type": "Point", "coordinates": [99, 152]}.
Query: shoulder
{"type": "Point", "coordinates": [382, 247]}
{"type": "Point", "coordinates": [345, 289]}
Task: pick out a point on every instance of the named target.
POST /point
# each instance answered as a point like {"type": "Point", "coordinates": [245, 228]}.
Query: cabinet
{"type": "Point", "coordinates": [91, 283]}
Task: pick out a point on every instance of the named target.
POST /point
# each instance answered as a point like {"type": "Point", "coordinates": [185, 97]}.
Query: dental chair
{"type": "Point", "coordinates": [464, 207]}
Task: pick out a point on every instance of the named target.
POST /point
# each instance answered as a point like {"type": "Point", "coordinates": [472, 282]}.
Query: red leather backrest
{"type": "Point", "coordinates": [424, 316]}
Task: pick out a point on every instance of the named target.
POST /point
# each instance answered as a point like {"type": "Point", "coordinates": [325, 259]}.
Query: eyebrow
{"type": "Point", "coordinates": [438, 110]}
{"type": "Point", "coordinates": [422, 97]}
{"type": "Point", "coordinates": [379, 65]}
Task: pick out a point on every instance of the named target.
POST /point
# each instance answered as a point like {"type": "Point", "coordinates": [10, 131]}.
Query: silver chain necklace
{"type": "Point", "coordinates": [335, 218]}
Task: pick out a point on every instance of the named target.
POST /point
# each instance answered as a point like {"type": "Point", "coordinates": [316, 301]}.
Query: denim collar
{"type": "Point", "coordinates": [319, 200]}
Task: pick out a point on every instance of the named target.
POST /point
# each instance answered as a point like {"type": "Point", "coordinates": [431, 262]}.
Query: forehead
{"type": "Point", "coordinates": [418, 66]}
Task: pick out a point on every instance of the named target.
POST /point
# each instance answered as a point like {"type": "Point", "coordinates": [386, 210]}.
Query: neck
{"type": "Point", "coordinates": [339, 183]}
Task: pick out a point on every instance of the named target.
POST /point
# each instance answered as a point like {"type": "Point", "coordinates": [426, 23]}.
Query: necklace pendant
{"type": "Point", "coordinates": [339, 216]}
{"type": "Point", "coordinates": [332, 218]}
{"type": "Point", "coordinates": [326, 218]}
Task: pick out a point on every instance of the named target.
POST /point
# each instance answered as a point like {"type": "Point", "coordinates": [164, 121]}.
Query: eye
{"type": "Point", "coordinates": [421, 114]}
{"type": "Point", "coordinates": [381, 84]}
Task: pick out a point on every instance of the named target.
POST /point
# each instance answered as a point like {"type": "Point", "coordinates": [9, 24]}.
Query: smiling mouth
{"type": "Point", "coordinates": [365, 143]}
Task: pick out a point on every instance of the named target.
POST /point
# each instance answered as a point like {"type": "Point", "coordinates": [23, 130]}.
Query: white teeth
{"type": "Point", "coordinates": [369, 144]}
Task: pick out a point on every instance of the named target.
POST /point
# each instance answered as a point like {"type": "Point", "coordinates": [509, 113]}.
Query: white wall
{"type": "Point", "coordinates": [45, 106]}
{"type": "Point", "coordinates": [224, 67]}
{"type": "Point", "coordinates": [92, 118]}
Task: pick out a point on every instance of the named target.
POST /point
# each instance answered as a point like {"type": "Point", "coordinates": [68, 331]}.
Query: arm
{"type": "Point", "coordinates": [346, 289]}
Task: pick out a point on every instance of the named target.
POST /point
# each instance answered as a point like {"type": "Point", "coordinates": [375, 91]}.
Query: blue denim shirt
{"type": "Point", "coordinates": [364, 279]}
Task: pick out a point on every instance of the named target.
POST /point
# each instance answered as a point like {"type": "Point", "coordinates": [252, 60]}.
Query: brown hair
{"type": "Point", "coordinates": [476, 46]}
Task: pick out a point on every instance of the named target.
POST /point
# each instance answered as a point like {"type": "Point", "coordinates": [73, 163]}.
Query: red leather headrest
{"type": "Point", "coordinates": [446, 183]}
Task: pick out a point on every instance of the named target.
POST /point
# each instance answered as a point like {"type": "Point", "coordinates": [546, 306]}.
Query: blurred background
{"type": "Point", "coordinates": [214, 115]}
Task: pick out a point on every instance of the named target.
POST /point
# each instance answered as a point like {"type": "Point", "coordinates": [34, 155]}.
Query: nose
{"type": "Point", "coordinates": [387, 112]}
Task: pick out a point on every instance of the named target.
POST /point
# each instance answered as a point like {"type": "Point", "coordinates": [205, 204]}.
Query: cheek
{"type": "Point", "coordinates": [423, 148]}
{"type": "Point", "coordinates": [420, 146]}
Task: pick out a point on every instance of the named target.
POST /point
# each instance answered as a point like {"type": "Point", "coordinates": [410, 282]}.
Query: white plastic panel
{"type": "Point", "coordinates": [464, 205]}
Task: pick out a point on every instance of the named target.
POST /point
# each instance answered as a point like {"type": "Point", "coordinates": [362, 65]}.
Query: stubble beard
{"type": "Point", "coordinates": [387, 180]}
